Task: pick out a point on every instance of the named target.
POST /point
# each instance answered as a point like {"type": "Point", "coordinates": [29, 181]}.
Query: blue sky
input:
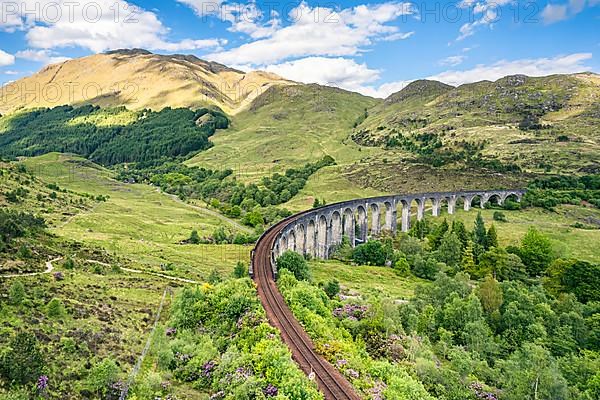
{"type": "Point", "coordinates": [373, 47]}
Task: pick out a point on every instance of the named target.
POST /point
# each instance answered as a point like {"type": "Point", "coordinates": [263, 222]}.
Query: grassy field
{"type": "Point", "coordinates": [568, 241]}
{"type": "Point", "coordinates": [104, 315]}
{"type": "Point", "coordinates": [364, 280]}
{"type": "Point", "coordinates": [138, 222]}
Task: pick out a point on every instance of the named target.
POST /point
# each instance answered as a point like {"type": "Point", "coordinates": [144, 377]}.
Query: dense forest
{"type": "Point", "coordinates": [102, 136]}
{"type": "Point", "coordinates": [493, 323]}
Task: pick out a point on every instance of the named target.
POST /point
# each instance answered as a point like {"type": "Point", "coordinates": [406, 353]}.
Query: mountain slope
{"type": "Point", "coordinates": [138, 79]}
{"type": "Point", "coordinates": [537, 124]}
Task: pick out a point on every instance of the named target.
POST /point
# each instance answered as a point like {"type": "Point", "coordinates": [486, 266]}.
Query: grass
{"type": "Point", "coordinates": [288, 127]}
{"type": "Point", "coordinates": [138, 222]}
{"type": "Point", "coordinates": [105, 316]}
{"type": "Point", "coordinates": [365, 279]}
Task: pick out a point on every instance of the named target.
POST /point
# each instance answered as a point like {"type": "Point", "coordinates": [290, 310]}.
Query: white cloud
{"type": "Point", "coordinates": [42, 56]}
{"type": "Point", "coordinates": [11, 72]}
{"type": "Point", "coordinates": [321, 31]}
{"type": "Point", "coordinates": [559, 12]}
{"type": "Point", "coordinates": [96, 25]}
{"type": "Point", "coordinates": [566, 64]}
{"type": "Point", "coordinates": [340, 72]}
{"type": "Point", "coordinates": [554, 13]}
{"type": "Point", "coordinates": [532, 67]}
{"type": "Point", "coordinates": [6, 58]}
{"type": "Point", "coordinates": [453, 60]}
{"type": "Point", "coordinates": [488, 12]}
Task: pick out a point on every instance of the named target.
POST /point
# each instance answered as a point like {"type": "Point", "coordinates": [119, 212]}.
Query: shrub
{"type": "Point", "coordinates": [294, 263]}
{"type": "Point", "coordinates": [102, 376]}
{"type": "Point", "coordinates": [24, 362]}
{"type": "Point", "coordinates": [401, 267]}
{"type": "Point", "coordinates": [69, 263]}
{"type": "Point", "coordinates": [16, 293]}
{"type": "Point", "coordinates": [372, 253]}
{"type": "Point", "coordinates": [194, 237]}
{"type": "Point", "coordinates": [499, 216]}
{"type": "Point", "coordinates": [55, 308]}
{"type": "Point", "coordinates": [332, 288]}
{"type": "Point", "coordinates": [240, 270]}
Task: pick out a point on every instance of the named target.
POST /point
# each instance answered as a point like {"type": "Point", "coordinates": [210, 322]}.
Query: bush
{"type": "Point", "coordinates": [294, 263]}
{"type": "Point", "coordinates": [55, 308]}
{"type": "Point", "coordinates": [372, 253]}
{"type": "Point", "coordinates": [16, 293]}
{"type": "Point", "coordinates": [194, 237]}
{"type": "Point", "coordinates": [23, 362]}
{"type": "Point", "coordinates": [102, 376]}
{"type": "Point", "coordinates": [332, 288]}
{"type": "Point", "coordinates": [69, 263]}
{"type": "Point", "coordinates": [499, 216]}
{"type": "Point", "coordinates": [240, 270]}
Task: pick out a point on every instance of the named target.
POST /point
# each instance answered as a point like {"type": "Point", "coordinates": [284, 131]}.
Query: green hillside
{"type": "Point", "coordinates": [517, 123]}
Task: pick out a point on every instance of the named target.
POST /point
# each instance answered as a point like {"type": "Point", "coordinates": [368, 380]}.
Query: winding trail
{"type": "Point", "coordinates": [139, 271]}
{"type": "Point", "coordinates": [49, 269]}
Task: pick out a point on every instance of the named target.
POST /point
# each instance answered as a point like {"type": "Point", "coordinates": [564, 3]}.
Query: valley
{"type": "Point", "coordinates": [162, 200]}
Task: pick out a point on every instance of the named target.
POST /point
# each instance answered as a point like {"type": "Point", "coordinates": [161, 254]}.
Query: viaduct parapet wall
{"type": "Point", "coordinates": [317, 232]}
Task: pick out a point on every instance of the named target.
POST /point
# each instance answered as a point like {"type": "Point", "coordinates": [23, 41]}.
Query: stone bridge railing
{"type": "Point", "coordinates": [316, 232]}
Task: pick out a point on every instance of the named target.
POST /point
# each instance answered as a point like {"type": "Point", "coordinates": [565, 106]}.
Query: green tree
{"type": "Point", "coordinates": [294, 263]}
{"type": "Point", "coordinates": [479, 231]}
{"type": "Point", "coordinates": [536, 252]}
{"type": "Point", "coordinates": [450, 249]}
{"type": "Point", "coordinates": [371, 253]}
{"type": "Point", "coordinates": [532, 373]}
{"type": "Point", "coordinates": [501, 264]}
{"type": "Point", "coordinates": [435, 237]}
{"type": "Point", "coordinates": [468, 260]}
{"type": "Point", "coordinates": [23, 362]}
{"type": "Point", "coordinates": [316, 203]}
{"type": "Point", "coordinates": [253, 219]}
{"type": "Point", "coordinates": [490, 294]}
{"type": "Point", "coordinates": [491, 239]}
{"type": "Point", "coordinates": [194, 237]}
{"type": "Point", "coordinates": [574, 276]}
{"type": "Point", "coordinates": [102, 376]}
{"type": "Point", "coordinates": [458, 228]}
{"type": "Point", "coordinates": [16, 293]}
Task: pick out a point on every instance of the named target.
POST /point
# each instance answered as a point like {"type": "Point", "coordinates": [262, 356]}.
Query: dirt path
{"type": "Point", "coordinates": [139, 271]}
{"type": "Point", "coordinates": [49, 269]}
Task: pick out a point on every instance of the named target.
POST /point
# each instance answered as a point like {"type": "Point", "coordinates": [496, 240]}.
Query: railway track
{"type": "Point", "coordinates": [329, 380]}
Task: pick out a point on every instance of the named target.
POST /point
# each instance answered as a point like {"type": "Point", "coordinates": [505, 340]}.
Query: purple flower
{"type": "Point", "coordinates": [58, 276]}
{"type": "Point", "coordinates": [219, 395]}
{"type": "Point", "coordinates": [352, 312]}
{"type": "Point", "coordinates": [42, 383]}
{"type": "Point", "coordinates": [270, 391]}
{"type": "Point", "coordinates": [207, 369]}
{"type": "Point", "coordinates": [352, 373]}
{"type": "Point", "coordinates": [480, 393]}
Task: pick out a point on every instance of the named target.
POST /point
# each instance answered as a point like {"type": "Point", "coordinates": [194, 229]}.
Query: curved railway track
{"type": "Point", "coordinates": [329, 380]}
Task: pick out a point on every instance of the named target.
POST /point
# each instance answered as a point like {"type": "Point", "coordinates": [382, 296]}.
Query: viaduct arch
{"type": "Point", "coordinates": [317, 232]}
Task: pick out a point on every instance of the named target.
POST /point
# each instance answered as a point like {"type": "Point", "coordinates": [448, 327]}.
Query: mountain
{"type": "Point", "coordinates": [538, 124]}
{"type": "Point", "coordinates": [139, 79]}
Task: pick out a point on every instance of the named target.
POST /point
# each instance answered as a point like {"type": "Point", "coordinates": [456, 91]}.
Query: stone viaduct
{"type": "Point", "coordinates": [317, 232]}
